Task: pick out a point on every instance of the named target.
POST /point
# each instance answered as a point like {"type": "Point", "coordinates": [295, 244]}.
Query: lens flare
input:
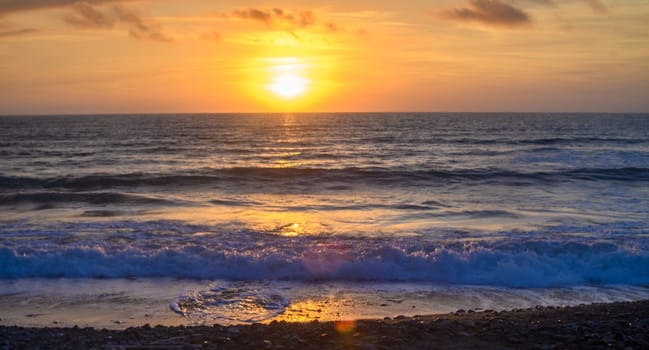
{"type": "Point", "coordinates": [345, 327]}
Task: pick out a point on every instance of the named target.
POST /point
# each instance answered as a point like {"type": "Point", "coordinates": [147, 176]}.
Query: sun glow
{"type": "Point", "coordinates": [289, 83]}
{"type": "Point", "coordinates": [288, 86]}
{"type": "Point", "coordinates": [288, 80]}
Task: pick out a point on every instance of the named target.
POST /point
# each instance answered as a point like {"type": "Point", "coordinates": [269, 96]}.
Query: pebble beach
{"type": "Point", "coordinates": [622, 325]}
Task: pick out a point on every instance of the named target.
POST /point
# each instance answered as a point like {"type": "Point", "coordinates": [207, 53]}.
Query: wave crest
{"type": "Point", "coordinates": [526, 261]}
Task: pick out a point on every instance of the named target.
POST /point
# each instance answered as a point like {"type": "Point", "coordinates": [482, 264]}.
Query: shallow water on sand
{"type": "Point", "coordinates": [123, 303]}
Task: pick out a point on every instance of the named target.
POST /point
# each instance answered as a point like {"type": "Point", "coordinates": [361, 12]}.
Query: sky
{"type": "Point", "coordinates": [202, 56]}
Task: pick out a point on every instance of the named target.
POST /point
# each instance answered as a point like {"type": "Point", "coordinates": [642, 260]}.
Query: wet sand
{"type": "Point", "coordinates": [623, 325]}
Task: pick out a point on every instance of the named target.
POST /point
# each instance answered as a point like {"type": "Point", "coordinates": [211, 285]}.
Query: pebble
{"type": "Point", "coordinates": [620, 325]}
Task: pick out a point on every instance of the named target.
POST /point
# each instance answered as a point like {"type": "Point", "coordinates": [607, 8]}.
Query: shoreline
{"type": "Point", "coordinates": [604, 325]}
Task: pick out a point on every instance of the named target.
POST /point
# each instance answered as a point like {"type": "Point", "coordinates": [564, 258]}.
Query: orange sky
{"type": "Point", "coordinates": [152, 56]}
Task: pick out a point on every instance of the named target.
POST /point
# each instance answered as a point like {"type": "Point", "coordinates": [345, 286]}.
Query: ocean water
{"type": "Point", "coordinates": [248, 218]}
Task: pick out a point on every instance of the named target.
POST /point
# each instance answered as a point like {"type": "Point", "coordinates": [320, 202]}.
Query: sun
{"type": "Point", "coordinates": [288, 86]}
{"type": "Point", "coordinates": [287, 78]}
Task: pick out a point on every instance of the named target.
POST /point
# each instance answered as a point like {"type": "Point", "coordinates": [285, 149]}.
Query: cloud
{"type": "Point", "coordinates": [550, 3]}
{"type": "Point", "coordinates": [596, 6]}
{"type": "Point", "coordinates": [332, 27]}
{"type": "Point", "coordinates": [87, 16]}
{"type": "Point", "coordinates": [489, 12]}
{"type": "Point", "coordinates": [276, 17]}
{"type": "Point", "coordinates": [9, 6]}
{"type": "Point", "coordinates": [9, 30]}
{"type": "Point", "coordinates": [139, 28]}
{"type": "Point", "coordinates": [16, 32]}
{"type": "Point", "coordinates": [285, 20]}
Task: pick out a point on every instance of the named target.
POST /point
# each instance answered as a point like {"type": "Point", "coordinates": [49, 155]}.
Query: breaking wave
{"type": "Point", "coordinates": [156, 250]}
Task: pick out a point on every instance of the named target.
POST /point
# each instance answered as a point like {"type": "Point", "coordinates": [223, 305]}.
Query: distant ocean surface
{"type": "Point", "coordinates": [510, 201]}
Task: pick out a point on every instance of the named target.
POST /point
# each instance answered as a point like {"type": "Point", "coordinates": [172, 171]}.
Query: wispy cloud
{"type": "Point", "coordinates": [489, 12]}
{"type": "Point", "coordinates": [275, 17]}
{"type": "Point", "coordinates": [87, 16]}
{"type": "Point", "coordinates": [550, 3]}
{"type": "Point", "coordinates": [287, 20]}
{"type": "Point", "coordinates": [84, 15]}
{"type": "Point", "coordinates": [332, 27]}
{"type": "Point", "coordinates": [596, 6]}
{"type": "Point", "coordinates": [9, 6]}
{"type": "Point", "coordinates": [91, 14]}
{"type": "Point", "coordinates": [139, 27]}
{"type": "Point", "coordinates": [17, 32]}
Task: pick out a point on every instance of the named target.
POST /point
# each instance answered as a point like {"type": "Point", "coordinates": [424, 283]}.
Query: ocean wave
{"type": "Point", "coordinates": [551, 141]}
{"type": "Point", "coordinates": [96, 198]}
{"type": "Point", "coordinates": [307, 176]}
{"type": "Point", "coordinates": [161, 251]}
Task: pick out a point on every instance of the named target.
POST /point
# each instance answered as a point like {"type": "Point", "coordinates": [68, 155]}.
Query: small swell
{"type": "Point", "coordinates": [550, 141]}
{"type": "Point", "coordinates": [50, 199]}
{"type": "Point", "coordinates": [335, 178]}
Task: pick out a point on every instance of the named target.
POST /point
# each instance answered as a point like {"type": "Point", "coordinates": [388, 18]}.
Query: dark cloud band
{"type": "Point", "coordinates": [9, 6]}
{"type": "Point", "coordinates": [489, 12]}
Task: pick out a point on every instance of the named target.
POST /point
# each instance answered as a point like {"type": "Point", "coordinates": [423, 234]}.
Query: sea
{"type": "Point", "coordinates": [120, 220]}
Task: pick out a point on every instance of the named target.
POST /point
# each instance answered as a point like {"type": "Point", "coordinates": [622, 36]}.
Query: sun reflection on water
{"type": "Point", "coordinates": [291, 230]}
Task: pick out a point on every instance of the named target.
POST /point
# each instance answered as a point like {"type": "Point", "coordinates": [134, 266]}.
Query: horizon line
{"type": "Point", "coordinates": [304, 113]}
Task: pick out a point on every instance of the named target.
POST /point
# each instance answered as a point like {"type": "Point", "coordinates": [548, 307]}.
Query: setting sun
{"type": "Point", "coordinates": [288, 85]}
{"type": "Point", "coordinates": [287, 78]}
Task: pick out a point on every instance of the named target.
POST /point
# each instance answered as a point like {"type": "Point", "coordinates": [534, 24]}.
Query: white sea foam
{"type": "Point", "coordinates": [603, 256]}
{"type": "Point", "coordinates": [237, 302]}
